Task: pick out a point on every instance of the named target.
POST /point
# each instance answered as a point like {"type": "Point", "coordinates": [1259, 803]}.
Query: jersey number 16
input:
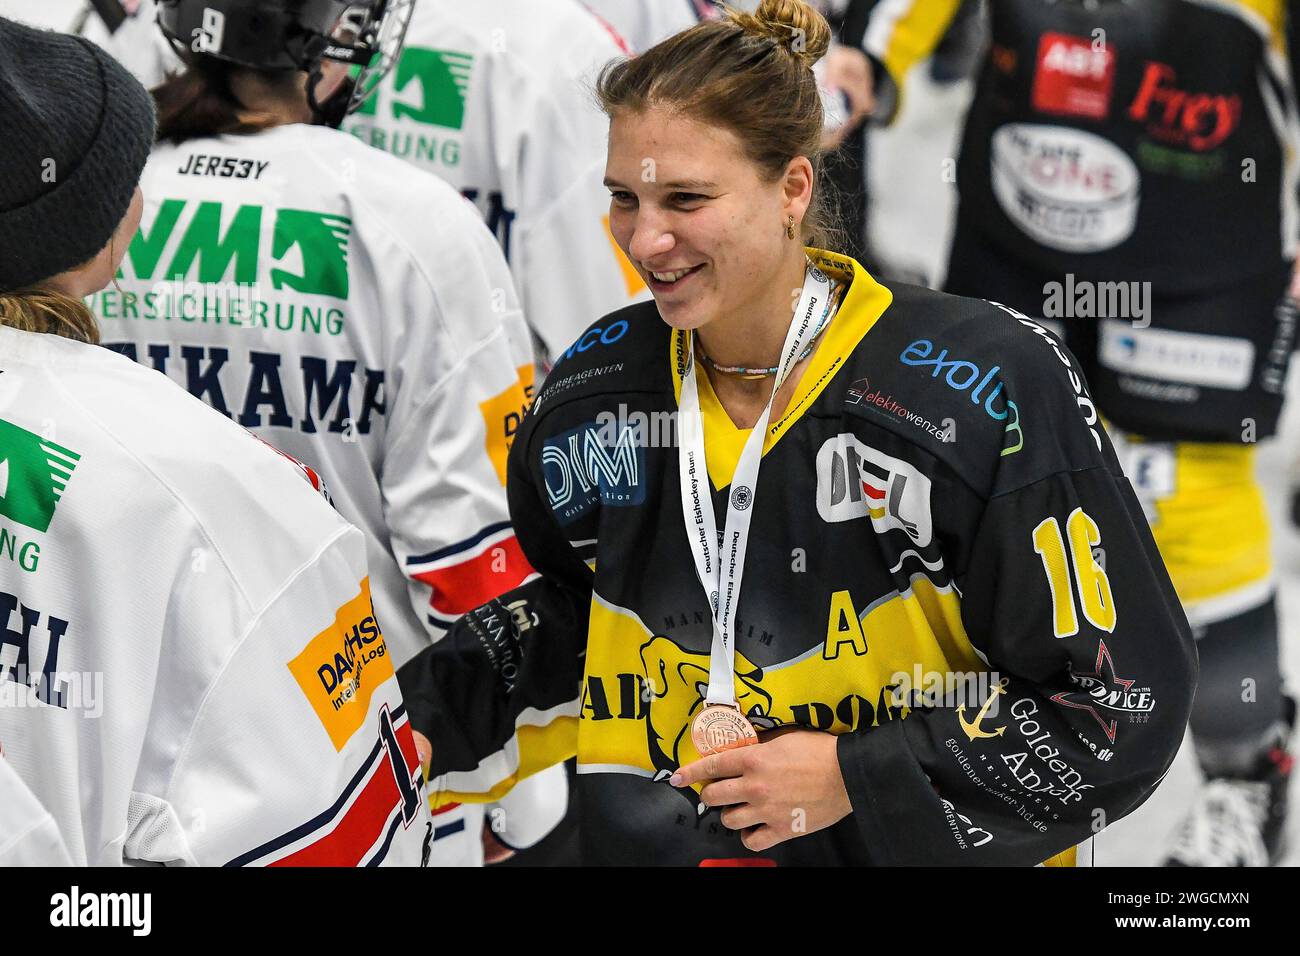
{"type": "Point", "coordinates": [1092, 584]}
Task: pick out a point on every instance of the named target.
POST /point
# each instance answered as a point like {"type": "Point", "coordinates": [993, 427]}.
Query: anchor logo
{"type": "Point", "coordinates": [972, 727]}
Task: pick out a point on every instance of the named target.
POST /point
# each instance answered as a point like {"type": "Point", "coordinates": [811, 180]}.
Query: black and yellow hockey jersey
{"type": "Point", "coordinates": [1152, 140]}
{"type": "Point", "coordinates": [946, 568]}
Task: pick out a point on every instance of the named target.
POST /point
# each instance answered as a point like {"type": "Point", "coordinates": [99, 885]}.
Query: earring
{"type": "Point", "coordinates": [789, 228]}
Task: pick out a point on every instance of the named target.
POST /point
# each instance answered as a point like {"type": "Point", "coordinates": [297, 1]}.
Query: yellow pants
{"type": "Point", "coordinates": [1209, 520]}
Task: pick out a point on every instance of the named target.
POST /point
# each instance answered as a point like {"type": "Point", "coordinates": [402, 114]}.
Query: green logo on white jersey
{"type": "Point", "coordinates": [208, 252]}
{"type": "Point", "coordinates": [441, 85]}
{"type": "Point", "coordinates": [33, 475]}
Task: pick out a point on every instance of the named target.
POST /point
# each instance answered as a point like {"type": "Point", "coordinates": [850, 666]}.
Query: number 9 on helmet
{"type": "Point", "coordinates": [274, 35]}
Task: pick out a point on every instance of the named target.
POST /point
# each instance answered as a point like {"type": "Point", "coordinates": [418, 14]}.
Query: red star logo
{"type": "Point", "coordinates": [1105, 675]}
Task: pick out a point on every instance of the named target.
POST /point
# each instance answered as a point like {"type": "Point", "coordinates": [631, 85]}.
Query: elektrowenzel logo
{"type": "Point", "coordinates": [34, 472]}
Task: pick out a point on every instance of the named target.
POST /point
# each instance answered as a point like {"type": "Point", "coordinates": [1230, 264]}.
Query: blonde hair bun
{"type": "Point", "coordinates": [792, 24]}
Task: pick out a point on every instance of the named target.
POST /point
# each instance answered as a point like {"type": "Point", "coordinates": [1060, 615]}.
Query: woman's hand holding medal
{"type": "Point", "coordinates": [786, 786]}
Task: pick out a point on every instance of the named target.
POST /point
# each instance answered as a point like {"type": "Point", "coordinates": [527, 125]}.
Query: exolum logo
{"type": "Point", "coordinates": [34, 473]}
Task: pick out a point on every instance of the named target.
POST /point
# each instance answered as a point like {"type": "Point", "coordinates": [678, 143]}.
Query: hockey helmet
{"type": "Point", "coordinates": [295, 35]}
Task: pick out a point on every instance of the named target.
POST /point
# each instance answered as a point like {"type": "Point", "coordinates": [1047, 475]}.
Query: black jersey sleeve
{"type": "Point", "coordinates": [1092, 667]}
{"type": "Point", "coordinates": [498, 695]}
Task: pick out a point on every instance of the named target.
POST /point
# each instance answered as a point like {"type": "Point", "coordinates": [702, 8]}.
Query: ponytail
{"type": "Point", "coordinates": [200, 101]}
{"type": "Point", "coordinates": [54, 313]}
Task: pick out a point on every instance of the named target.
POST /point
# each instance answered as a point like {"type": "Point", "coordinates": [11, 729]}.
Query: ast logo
{"type": "Point", "coordinates": [33, 475]}
{"type": "Point", "coordinates": [855, 480]}
{"type": "Point", "coordinates": [1074, 78]}
{"type": "Point", "coordinates": [341, 666]}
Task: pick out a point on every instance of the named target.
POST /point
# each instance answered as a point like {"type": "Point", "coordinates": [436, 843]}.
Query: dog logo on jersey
{"type": "Point", "coordinates": [34, 473]}
{"type": "Point", "coordinates": [677, 681]}
{"type": "Point", "coordinates": [855, 480]}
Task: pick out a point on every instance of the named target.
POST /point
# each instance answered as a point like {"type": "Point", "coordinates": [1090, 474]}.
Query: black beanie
{"type": "Point", "coordinates": [75, 131]}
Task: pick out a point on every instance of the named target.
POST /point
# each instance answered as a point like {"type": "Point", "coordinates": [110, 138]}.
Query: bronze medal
{"type": "Point", "coordinates": [719, 727]}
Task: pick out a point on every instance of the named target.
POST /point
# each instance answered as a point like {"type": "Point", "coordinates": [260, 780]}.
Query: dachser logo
{"type": "Point", "coordinates": [855, 480]}
{"type": "Point", "coordinates": [503, 413]}
{"type": "Point", "coordinates": [341, 666]}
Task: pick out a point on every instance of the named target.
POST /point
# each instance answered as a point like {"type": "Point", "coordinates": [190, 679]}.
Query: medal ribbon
{"type": "Point", "coordinates": [721, 569]}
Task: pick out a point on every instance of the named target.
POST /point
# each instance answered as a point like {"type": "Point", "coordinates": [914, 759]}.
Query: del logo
{"type": "Point", "coordinates": [428, 86]}
{"type": "Point", "coordinates": [503, 413]}
{"type": "Point", "coordinates": [582, 472]}
{"type": "Point", "coordinates": [1074, 77]}
{"type": "Point", "coordinates": [215, 242]}
{"type": "Point", "coordinates": [33, 475]}
{"type": "Point", "coordinates": [341, 666]}
{"type": "Point", "coordinates": [1199, 121]}
{"type": "Point", "coordinates": [855, 480]}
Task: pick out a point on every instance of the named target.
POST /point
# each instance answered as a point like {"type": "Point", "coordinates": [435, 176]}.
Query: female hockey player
{"type": "Point", "coordinates": [171, 590]}
{"type": "Point", "coordinates": [931, 658]}
{"type": "Point", "coordinates": [344, 306]}
{"type": "Point", "coordinates": [1129, 169]}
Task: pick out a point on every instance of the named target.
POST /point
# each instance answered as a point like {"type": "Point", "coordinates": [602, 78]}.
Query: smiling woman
{"type": "Point", "coordinates": [721, 725]}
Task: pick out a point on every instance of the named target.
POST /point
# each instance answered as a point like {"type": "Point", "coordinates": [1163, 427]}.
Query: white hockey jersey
{"type": "Point", "coordinates": [495, 97]}
{"type": "Point", "coordinates": [137, 43]}
{"type": "Point", "coordinates": [190, 667]}
{"type": "Point", "coordinates": [29, 835]}
{"type": "Point", "coordinates": [354, 312]}
{"type": "Point", "coordinates": [643, 23]}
